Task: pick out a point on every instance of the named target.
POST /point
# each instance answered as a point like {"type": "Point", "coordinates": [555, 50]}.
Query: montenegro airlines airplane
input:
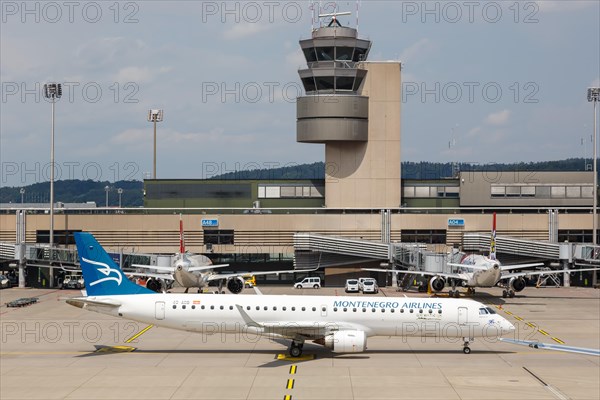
{"type": "Point", "coordinates": [341, 324]}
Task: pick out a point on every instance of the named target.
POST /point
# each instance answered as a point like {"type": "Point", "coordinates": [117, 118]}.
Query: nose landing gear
{"type": "Point", "coordinates": [466, 348]}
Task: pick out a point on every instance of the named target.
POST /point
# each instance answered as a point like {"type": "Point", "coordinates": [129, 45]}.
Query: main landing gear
{"type": "Point", "coordinates": [296, 349]}
{"type": "Point", "coordinates": [508, 293]}
{"type": "Point", "coordinates": [466, 348]}
{"type": "Point", "coordinates": [453, 292]}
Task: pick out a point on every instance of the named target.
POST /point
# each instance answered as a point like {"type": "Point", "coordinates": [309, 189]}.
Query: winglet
{"type": "Point", "coordinates": [249, 321]}
{"type": "Point", "coordinates": [101, 274]}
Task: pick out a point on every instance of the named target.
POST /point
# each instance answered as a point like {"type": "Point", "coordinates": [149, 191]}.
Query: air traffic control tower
{"type": "Point", "coordinates": [352, 106]}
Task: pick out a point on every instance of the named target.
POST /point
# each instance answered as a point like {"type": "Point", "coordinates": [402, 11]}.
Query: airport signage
{"type": "Point", "coordinates": [456, 222]}
{"type": "Point", "coordinates": [210, 223]}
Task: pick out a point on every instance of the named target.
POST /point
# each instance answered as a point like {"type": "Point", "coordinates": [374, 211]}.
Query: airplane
{"type": "Point", "coordinates": [196, 271]}
{"type": "Point", "coordinates": [339, 323]}
{"type": "Point", "coordinates": [483, 272]}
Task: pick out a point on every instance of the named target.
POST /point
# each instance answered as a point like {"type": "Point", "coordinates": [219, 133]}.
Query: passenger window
{"type": "Point", "coordinates": [392, 310]}
{"type": "Point", "coordinates": [284, 308]}
{"type": "Point", "coordinates": [257, 308]}
{"type": "Point", "coordinates": [303, 308]}
{"type": "Point", "coordinates": [193, 307]}
{"type": "Point", "coordinates": [373, 309]}
{"type": "Point", "coordinates": [439, 311]}
{"type": "Point", "coordinates": [248, 308]}
{"type": "Point", "coordinates": [420, 311]}
{"type": "Point", "coordinates": [323, 309]}
{"type": "Point", "coordinates": [293, 308]}
{"type": "Point", "coordinates": [314, 308]}
{"type": "Point", "coordinates": [266, 308]}
{"type": "Point", "coordinates": [402, 311]}
{"type": "Point", "coordinates": [345, 309]}
{"type": "Point", "coordinates": [274, 308]}
{"type": "Point", "coordinates": [174, 306]}
{"type": "Point", "coordinates": [221, 307]}
{"type": "Point", "coordinates": [412, 311]}
{"type": "Point", "coordinates": [202, 307]}
{"type": "Point", "coordinates": [212, 307]}
{"type": "Point", "coordinates": [231, 307]}
{"type": "Point", "coordinates": [183, 307]}
{"type": "Point", "coordinates": [364, 310]}
{"type": "Point", "coordinates": [354, 310]}
{"type": "Point", "coordinates": [335, 309]}
{"type": "Point", "coordinates": [383, 310]}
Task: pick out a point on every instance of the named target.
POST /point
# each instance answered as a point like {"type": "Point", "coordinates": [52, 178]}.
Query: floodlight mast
{"type": "Point", "coordinates": [52, 91]}
{"type": "Point", "coordinates": [155, 116]}
{"type": "Point", "coordinates": [593, 96]}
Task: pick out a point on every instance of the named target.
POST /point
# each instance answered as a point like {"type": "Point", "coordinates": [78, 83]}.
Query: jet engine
{"type": "Point", "coordinates": [154, 285]}
{"type": "Point", "coordinates": [437, 283]}
{"type": "Point", "coordinates": [345, 341]}
{"type": "Point", "coordinates": [235, 285]}
{"type": "Point", "coordinates": [517, 284]}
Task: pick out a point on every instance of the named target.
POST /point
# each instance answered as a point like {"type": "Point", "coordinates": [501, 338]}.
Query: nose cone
{"type": "Point", "coordinates": [507, 327]}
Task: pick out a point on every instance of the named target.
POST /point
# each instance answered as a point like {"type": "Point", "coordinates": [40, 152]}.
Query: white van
{"type": "Point", "coordinates": [310, 282]}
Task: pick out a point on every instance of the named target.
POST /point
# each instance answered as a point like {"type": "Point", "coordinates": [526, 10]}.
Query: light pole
{"type": "Point", "coordinates": [120, 192]}
{"type": "Point", "coordinates": [106, 189]}
{"type": "Point", "coordinates": [155, 116]}
{"type": "Point", "coordinates": [52, 91]}
{"type": "Point", "coordinates": [593, 95]}
{"type": "Point", "coordinates": [22, 191]}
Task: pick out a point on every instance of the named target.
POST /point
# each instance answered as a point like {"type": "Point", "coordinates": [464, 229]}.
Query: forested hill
{"type": "Point", "coordinates": [78, 191]}
{"type": "Point", "coordinates": [410, 169]}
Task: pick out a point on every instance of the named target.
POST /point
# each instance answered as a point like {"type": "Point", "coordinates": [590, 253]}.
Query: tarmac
{"type": "Point", "coordinates": [50, 350]}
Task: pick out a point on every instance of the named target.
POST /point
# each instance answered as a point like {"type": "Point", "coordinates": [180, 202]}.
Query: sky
{"type": "Point", "coordinates": [483, 81]}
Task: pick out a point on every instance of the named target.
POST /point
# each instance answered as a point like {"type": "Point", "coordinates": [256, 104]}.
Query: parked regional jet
{"type": "Point", "coordinates": [483, 272]}
{"type": "Point", "coordinates": [196, 271]}
{"type": "Point", "coordinates": [339, 323]}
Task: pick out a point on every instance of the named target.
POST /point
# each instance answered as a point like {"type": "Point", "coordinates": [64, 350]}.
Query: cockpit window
{"type": "Point", "coordinates": [483, 311]}
{"type": "Point", "coordinates": [490, 310]}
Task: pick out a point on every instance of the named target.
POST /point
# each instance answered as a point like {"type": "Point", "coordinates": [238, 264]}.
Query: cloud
{"type": "Point", "coordinates": [498, 118]}
{"type": "Point", "coordinates": [244, 30]}
{"type": "Point", "coordinates": [139, 74]}
{"type": "Point", "coordinates": [561, 6]}
{"type": "Point", "coordinates": [108, 51]}
{"type": "Point", "coordinates": [417, 51]}
{"type": "Point", "coordinates": [295, 59]}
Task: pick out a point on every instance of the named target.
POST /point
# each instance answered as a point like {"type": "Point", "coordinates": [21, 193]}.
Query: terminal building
{"type": "Point", "coordinates": [357, 216]}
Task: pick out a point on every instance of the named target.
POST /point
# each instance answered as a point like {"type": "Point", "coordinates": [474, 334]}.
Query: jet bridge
{"type": "Point", "coordinates": [480, 243]}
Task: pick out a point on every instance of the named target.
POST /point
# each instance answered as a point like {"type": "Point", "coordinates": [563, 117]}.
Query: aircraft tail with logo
{"type": "Point", "coordinates": [103, 277]}
{"type": "Point", "coordinates": [493, 240]}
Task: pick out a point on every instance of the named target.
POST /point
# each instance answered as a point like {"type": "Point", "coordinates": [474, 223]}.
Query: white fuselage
{"type": "Point", "coordinates": [484, 277]}
{"type": "Point", "coordinates": [376, 316]}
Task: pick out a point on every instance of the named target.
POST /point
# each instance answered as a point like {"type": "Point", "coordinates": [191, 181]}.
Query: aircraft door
{"type": "Point", "coordinates": [463, 313]}
{"type": "Point", "coordinates": [323, 310]}
{"type": "Point", "coordinates": [160, 310]}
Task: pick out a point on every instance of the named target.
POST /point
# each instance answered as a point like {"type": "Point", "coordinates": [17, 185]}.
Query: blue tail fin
{"type": "Point", "coordinates": [101, 274]}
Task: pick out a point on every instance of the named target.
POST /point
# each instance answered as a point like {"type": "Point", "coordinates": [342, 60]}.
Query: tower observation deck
{"type": "Point", "coordinates": [353, 107]}
{"type": "Point", "coordinates": [332, 109]}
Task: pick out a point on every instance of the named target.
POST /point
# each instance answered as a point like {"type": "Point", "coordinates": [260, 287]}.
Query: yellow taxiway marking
{"type": "Point", "coordinates": [518, 318]}
{"type": "Point", "coordinates": [140, 333]}
{"type": "Point", "coordinates": [285, 357]}
{"type": "Point", "coordinates": [531, 325]}
{"type": "Point", "coordinates": [557, 340]}
{"type": "Point", "coordinates": [543, 332]}
{"type": "Point", "coordinates": [293, 369]}
{"type": "Point", "coordinates": [40, 353]}
{"type": "Point", "coordinates": [287, 397]}
{"type": "Point", "coordinates": [115, 349]}
{"type": "Point", "coordinates": [290, 384]}
{"type": "Point", "coordinates": [508, 312]}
